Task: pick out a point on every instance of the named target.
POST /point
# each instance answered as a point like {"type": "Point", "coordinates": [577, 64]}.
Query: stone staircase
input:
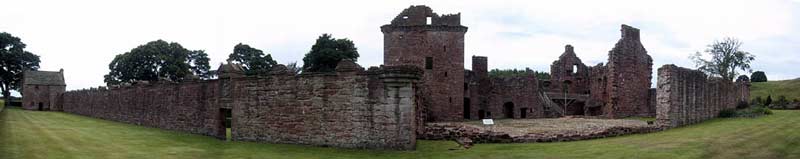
{"type": "Point", "coordinates": [552, 109]}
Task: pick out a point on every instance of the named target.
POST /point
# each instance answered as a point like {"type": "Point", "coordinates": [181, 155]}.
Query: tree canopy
{"type": "Point", "coordinates": [758, 76]}
{"type": "Point", "coordinates": [726, 58]}
{"type": "Point", "coordinates": [518, 73]}
{"type": "Point", "coordinates": [158, 60]}
{"type": "Point", "coordinates": [253, 60]}
{"type": "Point", "coordinates": [326, 53]}
{"type": "Point", "coordinates": [14, 60]}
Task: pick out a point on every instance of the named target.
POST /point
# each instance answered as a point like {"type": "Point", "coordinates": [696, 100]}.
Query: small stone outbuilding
{"type": "Point", "coordinates": [41, 90]}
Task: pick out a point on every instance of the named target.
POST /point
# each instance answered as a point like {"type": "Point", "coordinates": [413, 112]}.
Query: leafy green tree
{"type": "Point", "coordinates": [758, 76]}
{"type": "Point", "coordinates": [327, 52]}
{"type": "Point", "coordinates": [518, 73]}
{"type": "Point", "coordinates": [726, 59]}
{"type": "Point", "coordinates": [253, 60]}
{"type": "Point", "coordinates": [158, 60]}
{"type": "Point", "coordinates": [13, 61]}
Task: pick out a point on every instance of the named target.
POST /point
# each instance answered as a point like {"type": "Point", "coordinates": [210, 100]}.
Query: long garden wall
{"type": "Point", "coordinates": [687, 96]}
{"type": "Point", "coordinates": [350, 108]}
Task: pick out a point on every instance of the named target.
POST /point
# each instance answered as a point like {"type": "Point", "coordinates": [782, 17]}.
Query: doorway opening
{"type": "Point", "coordinates": [41, 106]}
{"type": "Point", "coordinates": [523, 113]}
{"type": "Point", "coordinates": [225, 116]}
{"type": "Point", "coordinates": [466, 108]}
{"type": "Point", "coordinates": [509, 109]}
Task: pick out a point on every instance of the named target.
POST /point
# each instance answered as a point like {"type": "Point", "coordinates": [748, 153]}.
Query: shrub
{"type": "Point", "coordinates": [727, 113]}
{"type": "Point", "coordinates": [742, 105]}
{"type": "Point", "coordinates": [768, 101]}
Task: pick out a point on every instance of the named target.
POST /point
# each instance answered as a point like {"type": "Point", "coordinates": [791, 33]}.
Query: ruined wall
{"type": "Point", "coordinates": [477, 88]}
{"type": "Point", "coordinates": [354, 109]}
{"type": "Point", "coordinates": [687, 96]}
{"type": "Point", "coordinates": [350, 108]}
{"type": "Point", "coordinates": [438, 48]}
{"type": "Point", "coordinates": [597, 90]}
{"type": "Point", "coordinates": [519, 93]}
{"type": "Point", "coordinates": [187, 107]}
{"type": "Point", "coordinates": [629, 73]}
{"type": "Point", "coordinates": [570, 73]}
{"type": "Point", "coordinates": [488, 97]}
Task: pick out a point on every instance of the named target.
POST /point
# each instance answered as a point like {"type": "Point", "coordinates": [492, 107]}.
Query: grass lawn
{"type": "Point", "coordinates": [788, 88]}
{"type": "Point", "coordinates": [33, 134]}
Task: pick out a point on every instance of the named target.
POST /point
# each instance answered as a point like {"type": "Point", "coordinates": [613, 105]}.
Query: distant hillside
{"type": "Point", "coordinates": [788, 88]}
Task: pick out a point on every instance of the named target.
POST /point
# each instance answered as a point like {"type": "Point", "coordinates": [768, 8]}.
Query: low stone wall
{"type": "Point", "coordinates": [451, 131]}
{"type": "Point", "coordinates": [687, 96]}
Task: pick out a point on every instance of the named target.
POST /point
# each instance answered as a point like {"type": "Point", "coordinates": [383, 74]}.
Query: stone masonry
{"type": "Point", "coordinates": [420, 37]}
{"type": "Point", "coordinates": [42, 90]}
{"type": "Point", "coordinates": [687, 96]}
{"type": "Point", "coordinates": [629, 73]}
{"type": "Point", "coordinates": [350, 108]}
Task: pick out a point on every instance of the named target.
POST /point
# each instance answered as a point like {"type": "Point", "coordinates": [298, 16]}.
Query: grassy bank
{"type": "Point", "coordinates": [33, 134]}
{"type": "Point", "coordinates": [788, 88]}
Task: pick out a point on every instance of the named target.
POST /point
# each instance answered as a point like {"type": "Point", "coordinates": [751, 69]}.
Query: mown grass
{"type": "Point", "coordinates": [34, 134]}
{"type": "Point", "coordinates": [788, 88]}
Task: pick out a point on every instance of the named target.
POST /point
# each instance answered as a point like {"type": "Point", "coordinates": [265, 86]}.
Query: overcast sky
{"type": "Point", "coordinates": [82, 37]}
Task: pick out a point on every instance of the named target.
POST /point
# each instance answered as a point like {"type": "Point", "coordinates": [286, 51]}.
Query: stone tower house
{"type": "Point", "coordinates": [420, 37]}
{"type": "Point", "coordinates": [41, 90]}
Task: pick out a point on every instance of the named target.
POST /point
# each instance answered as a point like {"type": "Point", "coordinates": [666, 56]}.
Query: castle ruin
{"type": "Point", "coordinates": [423, 80]}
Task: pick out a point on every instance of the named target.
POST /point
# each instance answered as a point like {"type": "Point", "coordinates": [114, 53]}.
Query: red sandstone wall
{"type": "Point", "coordinates": [48, 95]}
{"type": "Point", "coordinates": [687, 96]}
{"type": "Point", "coordinates": [374, 109]}
{"type": "Point", "coordinates": [409, 40]}
{"type": "Point", "coordinates": [352, 108]}
{"type": "Point", "coordinates": [629, 73]}
{"type": "Point", "coordinates": [188, 107]}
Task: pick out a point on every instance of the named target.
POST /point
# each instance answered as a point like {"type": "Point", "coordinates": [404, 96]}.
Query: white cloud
{"type": "Point", "coordinates": [83, 36]}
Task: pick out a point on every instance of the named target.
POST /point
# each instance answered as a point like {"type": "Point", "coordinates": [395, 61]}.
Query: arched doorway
{"type": "Point", "coordinates": [508, 109]}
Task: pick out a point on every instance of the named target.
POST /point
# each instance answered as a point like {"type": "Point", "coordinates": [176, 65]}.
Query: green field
{"type": "Point", "coordinates": [788, 88]}
{"type": "Point", "coordinates": [34, 134]}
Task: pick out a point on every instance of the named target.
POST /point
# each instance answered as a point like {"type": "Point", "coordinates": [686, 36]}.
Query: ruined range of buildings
{"type": "Point", "coordinates": [420, 37]}
{"type": "Point", "coordinates": [422, 80]}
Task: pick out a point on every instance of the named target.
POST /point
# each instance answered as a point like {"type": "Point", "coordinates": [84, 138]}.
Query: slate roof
{"type": "Point", "coordinates": [43, 78]}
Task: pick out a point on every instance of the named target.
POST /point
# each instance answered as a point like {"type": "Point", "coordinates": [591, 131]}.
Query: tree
{"type": "Point", "coordinates": [758, 76]}
{"type": "Point", "coordinates": [726, 59]}
{"type": "Point", "coordinates": [518, 73]}
{"type": "Point", "coordinates": [292, 67]}
{"type": "Point", "coordinates": [14, 60]}
{"type": "Point", "coordinates": [768, 101]}
{"type": "Point", "coordinates": [326, 53]}
{"type": "Point", "coordinates": [158, 60]}
{"type": "Point", "coordinates": [253, 60]}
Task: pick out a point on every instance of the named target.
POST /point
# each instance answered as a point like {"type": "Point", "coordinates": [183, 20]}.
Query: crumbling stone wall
{"type": "Point", "coordinates": [351, 108]}
{"type": "Point", "coordinates": [520, 93]}
{"type": "Point", "coordinates": [598, 94]}
{"type": "Point", "coordinates": [187, 107]}
{"type": "Point", "coordinates": [629, 72]}
{"type": "Point", "coordinates": [686, 96]}
{"type": "Point", "coordinates": [487, 97]}
{"type": "Point", "coordinates": [438, 48]}
{"type": "Point", "coordinates": [570, 73]}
